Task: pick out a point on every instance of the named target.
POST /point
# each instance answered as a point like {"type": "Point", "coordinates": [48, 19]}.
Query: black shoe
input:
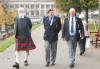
{"type": "Point", "coordinates": [71, 65]}
{"type": "Point", "coordinates": [47, 64]}
{"type": "Point", "coordinates": [16, 65]}
{"type": "Point", "coordinates": [81, 53]}
{"type": "Point", "coordinates": [53, 64]}
{"type": "Point", "coordinates": [26, 63]}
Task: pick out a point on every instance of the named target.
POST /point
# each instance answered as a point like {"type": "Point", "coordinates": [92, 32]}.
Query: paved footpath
{"type": "Point", "coordinates": [90, 60]}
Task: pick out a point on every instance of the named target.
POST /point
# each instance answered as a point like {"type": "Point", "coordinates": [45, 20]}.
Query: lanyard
{"type": "Point", "coordinates": [51, 21]}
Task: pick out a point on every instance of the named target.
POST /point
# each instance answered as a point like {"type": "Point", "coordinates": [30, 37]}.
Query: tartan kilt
{"type": "Point", "coordinates": [28, 44]}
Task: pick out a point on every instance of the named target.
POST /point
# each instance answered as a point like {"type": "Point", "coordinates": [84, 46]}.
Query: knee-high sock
{"type": "Point", "coordinates": [17, 56]}
{"type": "Point", "coordinates": [26, 56]}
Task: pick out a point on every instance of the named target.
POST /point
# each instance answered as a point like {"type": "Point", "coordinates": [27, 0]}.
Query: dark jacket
{"type": "Point", "coordinates": [22, 27]}
{"type": "Point", "coordinates": [51, 32]}
{"type": "Point", "coordinates": [79, 27]}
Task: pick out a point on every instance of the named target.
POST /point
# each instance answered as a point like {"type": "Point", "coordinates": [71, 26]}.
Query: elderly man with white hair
{"type": "Point", "coordinates": [24, 41]}
{"type": "Point", "coordinates": [71, 33]}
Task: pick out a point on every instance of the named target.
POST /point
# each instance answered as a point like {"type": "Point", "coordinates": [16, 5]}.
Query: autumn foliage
{"type": "Point", "coordinates": [7, 18]}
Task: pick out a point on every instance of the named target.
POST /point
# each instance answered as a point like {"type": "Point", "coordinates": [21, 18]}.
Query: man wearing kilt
{"type": "Point", "coordinates": [52, 25]}
{"type": "Point", "coordinates": [24, 41]}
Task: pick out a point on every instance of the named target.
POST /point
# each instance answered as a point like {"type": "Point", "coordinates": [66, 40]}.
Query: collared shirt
{"type": "Point", "coordinates": [70, 24]}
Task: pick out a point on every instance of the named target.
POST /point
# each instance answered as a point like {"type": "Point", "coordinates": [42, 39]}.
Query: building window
{"type": "Point", "coordinates": [36, 13]}
{"type": "Point", "coordinates": [16, 6]}
{"type": "Point", "coordinates": [32, 13]}
{"type": "Point", "coordinates": [11, 6]}
{"type": "Point", "coordinates": [42, 13]}
{"type": "Point", "coordinates": [27, 13]}
{"type": "Point", "coordinates": [46, 12]}
{"type": "Point", "coordinates": [42, 6]}
{"type": "Point", "coordinates": [27, 6]}
{"type": "Point", "coordinates": [37, 6]}
{"type": "Point", "coordinates": [52, 6]}
{"type": "Point", "coordinates": [22, 6]}
{"type": "Point", "coordinates": [47, 6]}
{"type": "Point", "coordinates": [32, 6]}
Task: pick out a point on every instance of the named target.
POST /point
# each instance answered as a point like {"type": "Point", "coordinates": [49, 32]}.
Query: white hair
{"type": "Point", "coordinates": [72, 9]}
{"type": "Point", "coordinates": [19, 9]}
{"type": "Point", "coordinates": [20, 14]}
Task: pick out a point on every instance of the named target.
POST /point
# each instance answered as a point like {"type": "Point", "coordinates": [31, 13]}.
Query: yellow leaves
{"type": "Point", "coordinates": [11, 14]}
{"type": "Point", "coordinates": [1, 10]}
{"type": "Point", "coordinates": [90, 4]}
{"type": "Point", "coordinates": [59, 10]}
{"type": "Point", "coordinates": [7, 18]}
{"type": "Point", "coordinates": [2, 14]}
{"type": "Point", "coordinates": [81, 0]}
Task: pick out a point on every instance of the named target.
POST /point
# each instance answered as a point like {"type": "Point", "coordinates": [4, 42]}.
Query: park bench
{"type": "Point", "coordinates": [10, 34]}
{"type": "Point", "coordinates": [4, 37]}
{"type": "Point", "coordinates": [96, 39]}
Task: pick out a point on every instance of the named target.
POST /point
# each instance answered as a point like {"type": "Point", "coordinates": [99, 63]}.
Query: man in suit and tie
{"type": "Point", "coordinates": [52, 25]}
{"type": "Point", "coordinates": [71, 33]}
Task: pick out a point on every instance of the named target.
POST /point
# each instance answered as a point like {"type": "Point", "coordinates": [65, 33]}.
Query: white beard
{"type": "Point", "coordinates": [21, 15]}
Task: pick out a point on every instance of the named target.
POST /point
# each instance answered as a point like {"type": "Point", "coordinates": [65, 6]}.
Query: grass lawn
{"type": "Point", "coordinates": [9, 41]}
{"type": "Point", "coordinates": [92, 27]}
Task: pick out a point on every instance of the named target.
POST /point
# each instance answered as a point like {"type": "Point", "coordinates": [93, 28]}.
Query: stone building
{"type": "Point", "coordinates": [35, 9]}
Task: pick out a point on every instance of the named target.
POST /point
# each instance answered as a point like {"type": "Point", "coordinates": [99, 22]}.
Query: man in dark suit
{"type": "Point", "coordinates": [71, 33]}
{"type": "Point", "coordinates": [52, 25]}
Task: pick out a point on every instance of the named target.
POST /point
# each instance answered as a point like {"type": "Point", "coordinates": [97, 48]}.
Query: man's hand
{"type": "Point", "coordinates": [63, 39]}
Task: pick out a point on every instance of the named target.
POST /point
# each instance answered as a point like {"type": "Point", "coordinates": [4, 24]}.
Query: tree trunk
{"type": "Point", "coordinates": [86, 18]}
{"type": "Point", "coordinates": [99, 14]}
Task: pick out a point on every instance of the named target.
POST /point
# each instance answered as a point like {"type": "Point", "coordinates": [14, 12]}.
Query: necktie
{"type": "Point", "coordinates": [72, 26]}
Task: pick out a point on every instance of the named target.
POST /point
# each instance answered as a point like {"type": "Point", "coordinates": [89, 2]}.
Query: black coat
{"type": "Point", "coordinates": [79, 27]}
{"type": "Point", "coordinates": [51, 32]}
{"type": "Point", "coordinates": [22, 27]}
